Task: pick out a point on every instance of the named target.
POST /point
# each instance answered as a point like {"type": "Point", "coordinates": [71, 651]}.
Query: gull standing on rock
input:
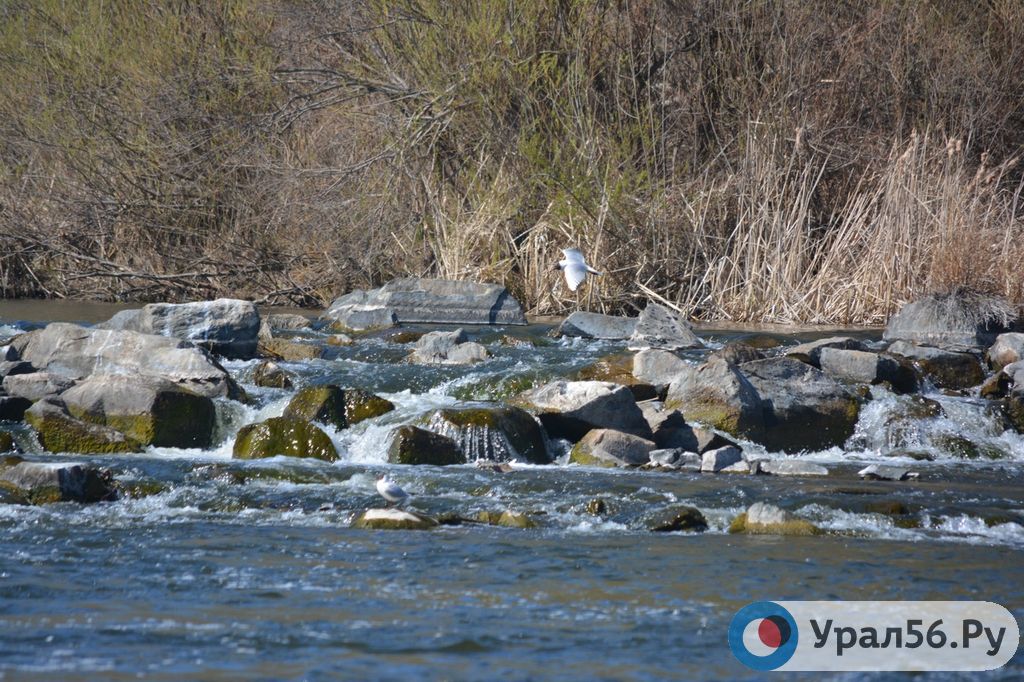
{"type": "Point", "coordinates": [391, 491]}
{"type": "Point", "coordinates": [574, 268]}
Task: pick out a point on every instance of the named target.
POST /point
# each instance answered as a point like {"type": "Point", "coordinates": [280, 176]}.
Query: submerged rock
{"type": "Point", "coordinates": [338, 407]}
{"type": "Point", "coordinates": [762, 518]}
{"type": "Point", "coordinates": [659, 327]}
{"type": "Point", "coordinates": [6, 442]}
{"type": "Point", "coordinates": [946, 369]}
{"type": "Point", "coordinates": [269, 374]}
{"type": "Point", "coordinates": [597, 326]}
{"type": "Point", "coordinates": [45, 482]}
{"type": "Point", "coordinates": [413, 445]}
{"type": "Point", "coordinates": [447, 348]}
{"type": "Point", "coordinates": [289, 350]}
{"type": "Point", "coordinates": [617, 369]}
{"type": "Point", "coordinates": [608, 448]}
{"type": "Point", "coordinates": [678, 519]}
{"type": "Point", "coordinates": [59, 431]}
{"type": "Point", "coordinates": [393, 519]}
{"type": "Point", "coordinates": [286, 436]}
{"type": "Point", "coordinates": [430, 301]}
{"type": "Point", "coordinates": [569, 409]}
{"type": "Point", "coordinates": [228, 327]}
{"type": "Point", "coordinates": [791, 467]}
{"type": "Point", "coordinates": [737, 352]}
{"type": "Point", "coordinates": [962, 318]}
{"type": "Point", "coordinates": [499, 434]}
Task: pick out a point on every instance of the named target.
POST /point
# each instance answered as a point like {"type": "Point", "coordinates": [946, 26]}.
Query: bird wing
{"type": "Point", "coordinates": [575, 273]}
{"type": "Point", "coordinates": [573, 255]}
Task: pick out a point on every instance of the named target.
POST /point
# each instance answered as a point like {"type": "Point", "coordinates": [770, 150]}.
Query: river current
{"type": "Point", "coordinates": [219, 569]}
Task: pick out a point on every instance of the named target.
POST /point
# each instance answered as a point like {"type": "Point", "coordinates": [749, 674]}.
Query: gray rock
{"type": "Point", "coordinates": [658, 367]}
{"type": "Point", "coordinates": [736, 353]}
{"type": "Point", "coordinates": [15, 367]}
{"type": "Point", "coordinates": [606, 447]}
{"type": "Point", "coordinates": [75, 352]}
{"type": "Point", "coordinates": [810, 352]}
{"type": "Point", "coordinates": [709, 440]}
{"type": "Point", "coordinates": [675, 458]}
{"type": "Point", "coordinates": [61, 481]}
{"type": "Point", "coordinates": [447, 348]}
{"type": "Point", "coordinates": [568, 409]}
{"type": "Point", "coordinates": [742, 467]}
{"type": "Point", "coordinates": [597, 326]}
{"type": "Point", "coordinates": [8, 353]}
{"type": "Point", "coordinates": [762, 518]}
{"type": "Point", "coordinates": [960, 319]}
{"type": "Point", "coordinates": [270, 375]}
{"type": "Point", "coordinates": [288, 321]}
{"type": "Point", "coordinates": [719, 395]}
{"type": "Point", "coordinates": [670, 430]}
{"type": "Point", "coordinates": [791, 467]}
{"type": "Point", "coordinates": [355, 312]}
{"type": "Point", "coordinates": [678, 519]}
{"type": "Point", "coordinates": [804, 408]}
{"type": "Point", "coordinates": [945, 368]}
{"type": "Point", "coordinates": [715, 461]}
{"type": "Point", "coordinates": [36, 386]}
{"type": "Point", "coordinates": [228, 327]}
{"type": "Point", "coordinates": [1007, 349]}
{"type": "Point", "coordinates": [880, 472]}
{"type": "Point", "coordinates": [867, 368]}
{"type": "Point", "coordinates": [659, 327]}
{"type": "Point", "coordinates": [432, 301]}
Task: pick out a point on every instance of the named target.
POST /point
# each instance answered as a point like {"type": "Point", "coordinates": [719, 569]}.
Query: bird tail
{"type": "Point", "coordinates": [593, 271]}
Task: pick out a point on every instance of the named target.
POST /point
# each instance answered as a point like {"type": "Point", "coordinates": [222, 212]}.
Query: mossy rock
{"type": "Point", "coordinates": [289, 351]}
{"type": "Point", "coordinates": [500, 386]}
{"type": "Point", "coordinates": [958, 446]}
{"type": "Point", "coordinates": [179, 419]}
{"type": "Point", "coordinates": [12, 494]}
{"type": "Point", "coordinates": [511, 519]}
{"type": "Point", "coordinates": [616, 368]}
{"type": "Point", "coordinates": [581, 455]}
{"type": "Point", "coordinates": [491, 518]}
{"type": "Point", "coordinates": [269, 375]}
{"type": "Point", "coordinates": [919, 407]}
{"type": "Point", "coordinates": [1013, 409]}
{"type": "Point", "coordinates": [58, 431]}
{"type": "Point", "coordinates": [6, 442]}
{"type": "Point", "coordinates": [797, 527]}
{"type": "Point", "coordinates": [393, 519]}
{"type": "Point", "coordinates": [141, 488]}
{"type": "Point", "coordinates": [761, 341]}
{"type": "Point", "coordinates": [405, 336]}
{"type": "Point", "coordinates": [413, 445]}
{"type": "Point", "coordinates": [679, 519]}
{"type": "Point", "coordinates": [287, 436]}
{"type": "Point", "coordinates": [496, 434]}
{"type": "Point", "coordinates": [597, 507]}
{"type": "Point", "coordinates": [335, 406]}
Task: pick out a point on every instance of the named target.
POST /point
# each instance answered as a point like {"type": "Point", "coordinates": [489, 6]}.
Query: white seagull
{"type": "Point", "coordinates": [391, 491]}
{"type": "Point", "coordinates": [574, 268]}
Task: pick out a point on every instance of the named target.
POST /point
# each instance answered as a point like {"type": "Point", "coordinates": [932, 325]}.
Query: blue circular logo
{"type": "Point", "coordinates": [763, 636]}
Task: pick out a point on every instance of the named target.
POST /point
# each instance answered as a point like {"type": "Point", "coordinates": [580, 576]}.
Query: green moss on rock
{"type": "Point", "coordinates": [393, 519]}
{"type": "Point", "coordinates": [12, 494]}
{"type": "Point", "coordinates": [287, 436]}
{"type": "Point", "coordinates": [799, 527]}
{"type": "Point", "coordinates": [361, 405]}
{"type": "Point", "coordinates": [413, 445]}
{"type": "Point", "coordinates": [338, 407]}
{"type": "Point", "coordinates": [60, 432]}
{"type": "Point", "coordinates": [288, 350]}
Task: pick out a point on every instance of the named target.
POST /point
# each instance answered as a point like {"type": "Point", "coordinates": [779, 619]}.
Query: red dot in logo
{"type": "Point", "coordinates": [769, 633]}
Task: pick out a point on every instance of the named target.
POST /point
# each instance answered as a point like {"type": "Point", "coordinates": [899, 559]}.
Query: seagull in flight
{"type": "Point", "coordinates": [574, 268]}
{"type": "Point", "coordinates": [391, 491]}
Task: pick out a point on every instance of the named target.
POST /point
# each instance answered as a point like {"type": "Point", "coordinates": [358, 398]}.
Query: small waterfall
{"type": "Point", "coordinates": [478, 442]}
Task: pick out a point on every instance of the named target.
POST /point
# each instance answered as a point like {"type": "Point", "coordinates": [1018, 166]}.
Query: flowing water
{"type": "Point", "coordinates": [226, 570]}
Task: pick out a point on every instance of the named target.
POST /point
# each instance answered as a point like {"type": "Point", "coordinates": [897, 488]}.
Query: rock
{"type": "Point", "coordinates": [1007, 349]}
{"type": "Point", "coordinates": [719, 395]}
{"type": "Point", "coordinates": [675, 458]}
{"type": "Point", "coordinates": [996, 386]}
{"type": "Point", "coordinates": [430, 301]}
{"type": "Point", "coordinates": [148, 410]}
{"type": "Point", "coordinates": [804, 408]}
{"type": "Point", "coordinates": [6, 442]}
{"type": "Point", "coordinates": [338, 407]}
{"type": "Point", "coordinates": [511, 519]}
{"type": "Point", "coordinates": [762, 518]}
{"type": "Point", "coordinates": [288, 322]}
{"type": "Point", "coordinates": [659, 367]}
{"type": "Point", "coordinates": [447, 348]}
{"type": "Point", "coordinates": [58, 431]}
{"type": "Point", "coordinates": [791, 467]}
{"type": "Point", "coordinates": [494, 467]}
{"type": "Point", "coordinates": [36, 386]}
{"type": "Point", "coordinates": [286, 436]}
{"type": "Point", "coordinates": [59, 481]}
{"type": "Point", "coordinates": [617, 369]}
{"type": "Point", "coordinates": [736, 353]}
{"type": "Point", "coordinates": [405, 336]}
{"type": "Point", "coordinates": [678, 519]}
{"type": "Point", "coordinates": [879, 472]}
{"type": "Point", "coordinates": [339, 340]}
{"type": "Point", "coordinates": [75, 352]}
{"type": "Point", "coordinates": [608, 448]}
{"type": "Point", "coordinates": [393, 519]}
{"type": "Point", "coordinates": [597, 507]}
{"type": "Point", "coordinates": [659, 327]}
{"type": "Point", "coordinates": [946, 369]}
{"type": "Point", "coordinates": [810, 352]}
{"type": "Point", "coordinates": [12, 494]}
{"type": "Point", "coordinates": [597, 326]}
{"type": "Point", "coordinates": [959, 319]}
{"type": "Point", "coordinates": [12, 408]}
{"type": "Point", "coordinates": [670, 430]}
{"type": "Point", "coordinates": [709, 440]}
{"type": "Point", "coordinates": [413, 445]}
{"type": "Point", "coordinates": [714, 461]}
{"type": "Point", "coordinates": [270, 375]}
{"type": "Point", "coordinates": [15, 367]}
{"type": "Point", "coordinates": [866, 368]}
{"type": "Point", "coordinates": [228, 327]}
{"type": "Point", "coordinates": [568, 409]}
{"type": "Point", "coordinates": [742, 467]}
{"type": "Point", "coordinates": [289, 351]}
{"type": "Point", "coordinates": [498, 434]}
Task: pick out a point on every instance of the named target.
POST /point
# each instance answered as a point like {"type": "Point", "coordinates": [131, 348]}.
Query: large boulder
{"type": "Point", "coordinates": [719, 395]}
{"type": "Point", "coordinates": [658, 367]}
{"type": "Point", "coordinates": [226, 326]}
{"type": "Point", "coordinates": [659, 327]}
{"type": "Point", "coordinates": [283, 436]}
{"type": "Point", "coordinates": [431, 301]}
{"type": "Point", "coordinates": [609, 448]}
{"type": "Point", "coordinates": [336, 406]}
{"type": "Point", "coordinates": [58, 481]}
{"type": "Point", "coordinates": [59, 431]}
{"type": "Point", "coordinates": [804, 409]}
{"type": "Point", "coordinates": [148, 410]}
{"type": "Point", "coordinates": [568, 409]}
{"type": "Point", "coordinates": [1007, 349]}
{"type": "Point", "coordinates": [497, 434]}
{"type": "Point", "coordinates": [447, 348]}
{"type": "Point", "coordinates": [963, 319]}
{"type": "Point", "coordinates": [76, 352]}
{"type": "Point", "coordinates": [597, 326]}
{"type": "Point", "coordinates": [867, 368]}
{"type": "Point", "coordinates": [413, 445]}
{"type": "Point", "coordinates": [945, 368]}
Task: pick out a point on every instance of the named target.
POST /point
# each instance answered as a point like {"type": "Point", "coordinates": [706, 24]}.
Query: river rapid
{"type": "Point", "coordinates": [221, 569]}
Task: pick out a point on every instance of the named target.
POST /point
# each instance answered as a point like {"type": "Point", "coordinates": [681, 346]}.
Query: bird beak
{"type": "Point", "coordinates": [557, 267]}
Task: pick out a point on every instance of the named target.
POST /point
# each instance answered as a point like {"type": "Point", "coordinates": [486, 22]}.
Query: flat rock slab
{"type": "Point", "coordinates": [791, 467]}
{"type": "Point", "coordinates": [597, 326]}
{"type": "Point", "coordinates": [64, 481]}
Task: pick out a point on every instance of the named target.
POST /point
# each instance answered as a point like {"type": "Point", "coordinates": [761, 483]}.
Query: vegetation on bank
{"type": "Point", "coordinates": [762, 160]}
